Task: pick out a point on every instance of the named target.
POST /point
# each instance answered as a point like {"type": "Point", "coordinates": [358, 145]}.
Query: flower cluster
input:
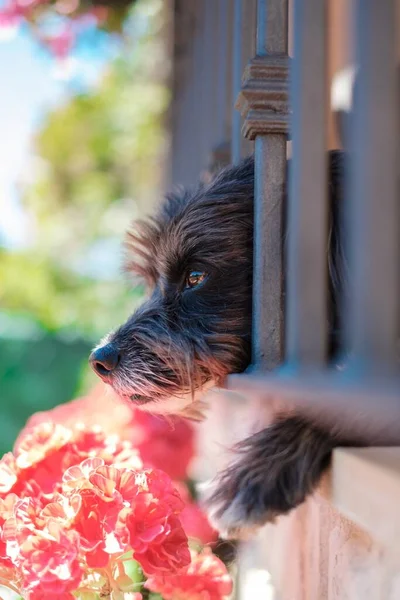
{"type": "Point", "coordinates": [205, 578]}
{"type": "Point", "coordinates": [72, 17]}
{"type": "Point", "coordinates": [81, 516]}
{"type": "Point", "coordinates": [162, 444]}
{"type": "Point", "coordinates": [67, 522]}
{"type": "Point", "coordinates": [43, 454]}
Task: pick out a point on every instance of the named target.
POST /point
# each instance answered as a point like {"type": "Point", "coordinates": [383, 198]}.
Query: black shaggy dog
{"type": "Point", "coordinates": [196, 258]}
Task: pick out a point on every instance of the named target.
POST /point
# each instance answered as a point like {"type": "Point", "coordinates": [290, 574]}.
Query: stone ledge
{"type": "Point", "coordinates": [365, 488]}
{"type": "Point", "coordinates": [343, 542]}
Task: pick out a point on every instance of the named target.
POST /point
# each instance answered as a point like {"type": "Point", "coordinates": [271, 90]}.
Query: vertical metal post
{"type": "Point", "coordinates": [221, 151]}
{"type": "Point", "coordinates": [186, 101]}
{"type": "Point", "coordinates": [214, 42]}
{"type": "Point", "coordinates": [270, 173]}
{"type": "Point", "coordinates": [374, 215]}
{"type": "Point", "coordinates": [307, 279]}
{"type": "Point", "coordinates": [204, 79]}
{"type": "Point", "coordinates": [188, 104]}
{"type": "Point", "coordinates": [194, 104]}
{"type": "Point", "coordinates": [272, 27]}
{"type": "Point", "coordinates": [270, 177]}
{"type": "Point", "coordinates": [243, 49]}
{"type": "Point", "coordinates": [176, 77]}
{"type": "Point", "coordinates": [224, 97]}
{"type": "Point", "coordinates": [236, 78]}
{"type": "Point", "coordinates": [264, 103]}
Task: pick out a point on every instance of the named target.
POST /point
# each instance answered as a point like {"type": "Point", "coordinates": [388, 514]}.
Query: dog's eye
{"type": "Point", "coordinates": [194, 279]}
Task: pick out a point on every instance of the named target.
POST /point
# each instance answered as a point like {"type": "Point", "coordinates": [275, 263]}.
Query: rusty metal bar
{"type": "Point", "coordinates": [306, 291]}
{"type": "Point", "coordinates": [374, 216]}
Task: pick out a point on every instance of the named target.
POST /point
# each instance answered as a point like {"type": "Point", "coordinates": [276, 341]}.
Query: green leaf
{"type": "Point", "coordinates": [134, 571]}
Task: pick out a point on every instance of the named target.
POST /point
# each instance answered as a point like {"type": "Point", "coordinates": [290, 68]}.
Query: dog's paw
{"type": "Point", "coordinates": [274, 471]}
{"type": "Point", "coordinates": [228, 519]}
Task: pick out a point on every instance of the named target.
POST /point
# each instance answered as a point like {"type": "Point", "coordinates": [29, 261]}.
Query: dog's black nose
{"type": "Point", "coordinates": [104, 360]}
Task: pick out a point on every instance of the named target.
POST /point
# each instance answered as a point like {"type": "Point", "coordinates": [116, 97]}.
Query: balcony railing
{"type": "Point", "coordinates": [237, 52]}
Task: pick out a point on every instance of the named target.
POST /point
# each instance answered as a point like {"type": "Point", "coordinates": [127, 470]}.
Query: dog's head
{"type": "Point", "coordinates": [195, 256]}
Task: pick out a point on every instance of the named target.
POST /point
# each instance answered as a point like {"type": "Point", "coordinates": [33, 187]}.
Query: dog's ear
{"type": "Point", "coordinates": [140, 249]}
{"type": "Point", "coordinates": [238, 177]}
{"type": "Point", "coordinates": [142, 240]}
{"type": "Point", "coordinates": [230, 192]}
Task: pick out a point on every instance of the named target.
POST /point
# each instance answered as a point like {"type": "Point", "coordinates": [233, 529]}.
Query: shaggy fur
{"type": "Point", "coordinates": [273, 472]}
{"type": "Point", "coordinates": [183, 340]}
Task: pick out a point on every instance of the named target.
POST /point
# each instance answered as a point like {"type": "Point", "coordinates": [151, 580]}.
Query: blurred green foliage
{"type": "Point", "coordinates": [97, 164]}
{"type": "Point", "coordinates": [35, 373]}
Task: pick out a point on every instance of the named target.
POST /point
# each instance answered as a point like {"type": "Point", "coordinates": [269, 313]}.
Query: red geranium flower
{"type": "Point", "coordinates": [161, 486]}
{"type": "Point", "coordinates": [154, 530]}
{"type": "Point", "coordinates": [95, 522]}
{"type": "Point", "coordinates": [196, 524]}
{"type": "Point", "coordinates": [43, 454]}
{"type": "Point", "coordinates": [93, 442]}
{"type": "Point", "coordinates": [120, 485]}
{"type": "Point", "coordinates": [6, 512]}
{"type": "Point", "coordinates": [206, 578]}
{"type": "Point", "coordinates": [162, 444]}
{"type": "Point", "coordinates": [49, 562]}
{"type": "Point", "coordinates": [99, 493]}
{"type": "Point", "coordinates": [159, 542]}
{"type": "Point", "coordinates": [167, 445]}
{"type": "Point", "coordinates": [41, 457]}
{"type": "Point", "coordinates": [8, 473]}
{"type": "Point", "coordinates": [38, 595]}
{"type": "Point", "coordinates": [194, 520]}
{"type": "Point", "coordinates": [40, 443]}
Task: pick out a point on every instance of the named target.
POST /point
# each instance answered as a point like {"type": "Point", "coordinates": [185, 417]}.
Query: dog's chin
{"type": "Point", "coordinates": [140, 400]}
{"type": "Point", "coordinates": [190, 405]}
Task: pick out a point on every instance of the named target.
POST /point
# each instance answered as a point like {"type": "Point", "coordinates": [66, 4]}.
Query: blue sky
{"type": "Point", "coordinates": [31, 82]}
{"type": "Point", "coordinates": [27, 89]}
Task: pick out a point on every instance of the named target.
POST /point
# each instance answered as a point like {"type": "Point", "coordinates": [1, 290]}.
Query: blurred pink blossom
{"type": "Point", "coordinates": [62, 43]}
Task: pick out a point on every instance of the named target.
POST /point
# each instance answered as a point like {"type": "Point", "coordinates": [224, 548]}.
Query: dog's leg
{"type": "Point", "coordinates": [273, 472]}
